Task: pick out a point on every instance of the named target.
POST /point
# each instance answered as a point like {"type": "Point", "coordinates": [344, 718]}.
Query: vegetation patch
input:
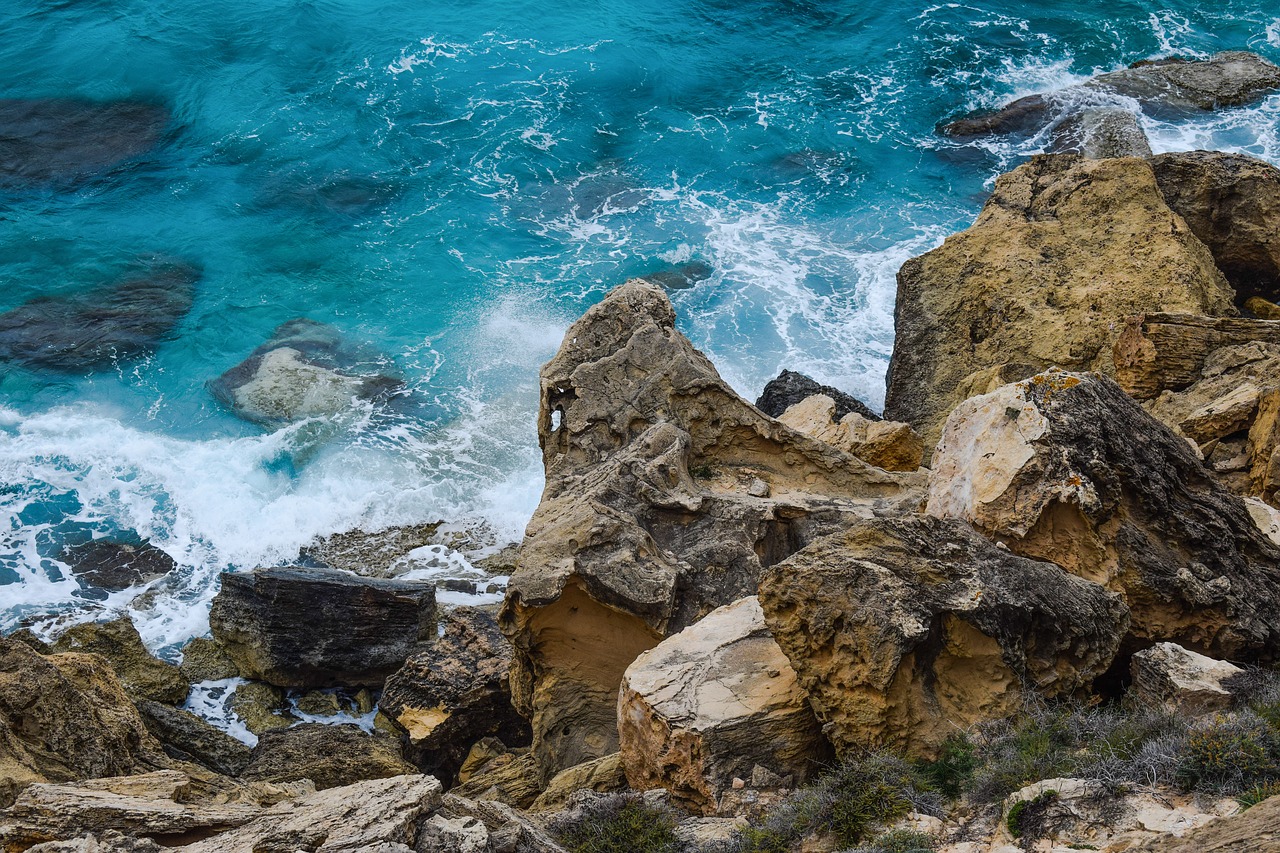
{"type": "Point", "coordinates": [618, 823]}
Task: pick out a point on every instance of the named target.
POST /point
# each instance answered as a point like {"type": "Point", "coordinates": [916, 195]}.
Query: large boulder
{"type": "Point", "coordinates": [112, 564]}
{"type": "Point", "coordinates": [1170, 87]}
{"type": "Point", "coordinates": [1256, 830]}
{"type": "Point", "coordinates": [904, 630]}
{"type": "Point", "coordinates": [328, 755]}
{"type": "Point", "coordinates": [301, 627]}
{"type": "Point", "coordinates": [304, 371]}
{"type": "Point", "coordinates": [144, 676]}
{"type": "Point", "coordinates": [666, 496]}
{"type": "Point", "coordinates": [102, 326]}
{"type": "Point", "coordinates": [65, 717]}
{"type": "Point", "coordinates": [1232, 203]}
{"type": "Point", "coordinates": [58, 141]}
{"type": "Point", "coordinates": [1066, 467]}
{"type": "Point", "coordinates": [1181, 680]}
{"type": "Point", "coordinates": [711, 703]}
{"type": "Point", "coordinates": [1063, 249]}
{"type": "Point", "coordinates": [455, 692]}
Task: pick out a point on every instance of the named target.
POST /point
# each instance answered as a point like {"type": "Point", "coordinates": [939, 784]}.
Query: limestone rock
{"type": "Point", "coordinates": [708, 704]}
{"type": "Point", "coordinates": [66, 717]}
{"type": "Point", "coordinates": [111, 565]}
{"type": "Point", "coordinates": [1256, 830]}
{"type": "Point", "coordinates": [370, 554]}
{"type": "Point", "coordinates": [110, 841]}
{"type": "Point", "coordinates": [141, 673]}
{"type": "Point", "coordinates": [1263, 309]}
{"type": "Point", "coordinates": [303, 371]}
{"type": "Point", "coordinates": [1155, 352]}
{"type": "Point", "coordinates": [1063, 249]}
{"type": "Point", "coordinates": [789, 388]}
{"type": "Point", "coordinates": [1066, 467]}
{"type": "Point", "coordinates": [1232, 203]}
{"type": "Point", "coordinates": [1166, 87]}
{"type": "Point", "coordinates": [150, 804]}
{"type": "Point", "coordinates": [1101, 133]}
{"type": "Point", "coordinates": [487, 826]}
{"type": "Point", "coordinates": [328, 755]}
{"type": "Point", "coordinates": [260, 706]}
{"type": "Point", "coordinates": [604, 775]}
{"type": "Point", "coordinates": [885, 444]}
{"type": "Point", "coordinates": [204, 660]}
{"type": "Point", "coordinates": [296, 627]}
{"type": "Point", "coordinates": [510, 778]}
{"type": "Point", "coordinates": [455, 692]}
{"type": "Point", "coordinates": [666, 494]}
{"type": "Point", "coordinates": [186, 737]}
{"type": "Point", "coordinates": [903, 629]}
{"type": "Point", "coordinates": [1182, 680]}
{"type": "Point", "coordinates": [378, 816]}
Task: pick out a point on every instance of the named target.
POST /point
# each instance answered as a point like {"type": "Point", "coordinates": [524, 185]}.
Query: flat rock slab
{"type": "Point", "coordinates": [308, 627]}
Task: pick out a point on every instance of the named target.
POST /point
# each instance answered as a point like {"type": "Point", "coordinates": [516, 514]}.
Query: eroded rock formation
{"type": "Point", "coordinates": [889, 445]}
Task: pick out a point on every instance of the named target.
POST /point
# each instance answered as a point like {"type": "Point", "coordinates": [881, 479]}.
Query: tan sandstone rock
{"type": "Point", "coordinates": [143, 675]}
{"type": "Point", "coordinates": [889, 445]}
{"type": "Point", "coordinates": [709, 704]}
{"type": "Point", "coordinates": [1181, 680]}
{"type": "Point", "coordinates": [603, 775]}
{"type": "Point", "coordinates": [1065, 467]}
{"type": "Point", "coordinates": [1063, 250]}
{"type": "Point", "coordinates": [666, 495]}
{"type": "Point", "coordinates": [903, 630]}
{"type": "Point", "coordinates": [1257, 830]}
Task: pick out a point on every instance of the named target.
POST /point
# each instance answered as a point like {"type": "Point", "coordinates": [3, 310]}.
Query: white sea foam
{"type": "Point", "coordinates": [211, 700]}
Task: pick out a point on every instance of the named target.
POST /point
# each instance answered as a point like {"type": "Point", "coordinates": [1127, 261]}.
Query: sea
{"type": "Point", "coordinates": [449, 186]}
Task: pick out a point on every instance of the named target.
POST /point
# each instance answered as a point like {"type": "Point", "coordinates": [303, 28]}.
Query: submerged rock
{"type": "Point", "coordinates": [303, 371]}
{"type": "Point", "coordinates": [666, 496]}
{"type": "Point", "coordinates": [297, 627]}
{"type": "Point", "coordinates": [1170, 87]}
{"type": "Point", "coordinates": [328, 755]}
{"type": "Point", "coordinates": [903, 630]}
{"type": "Point", "coordinates": [1061, 253]}
{"type": "Point", "coordinates": [789, 388]}
{"type": "Point", "coordinates": [1098, 134]}
{"type": "Point", "coordinates": [1066, 467]}
{"type": "Point", "coordinates": [139, 671]}
{"type": "Point", "coordinates": [455, 692]}
{"type": "Point", "coordinates": [102, 326]}
{"type": "Point", "coordinates": [710, 704]}
{"type": "Point", "coordinates": [113, 565]}
{"type": "Point", "coordinates": [680, 277]}
{"type": "Point", "coordinates": [51, 141]}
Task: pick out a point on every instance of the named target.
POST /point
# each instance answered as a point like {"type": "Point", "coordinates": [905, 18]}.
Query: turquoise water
{"type": "Point", "coordinates": [451, 185]}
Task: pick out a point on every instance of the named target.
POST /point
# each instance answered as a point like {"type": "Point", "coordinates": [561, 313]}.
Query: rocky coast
{"type": "Point", "coordinates": [1033, 605]}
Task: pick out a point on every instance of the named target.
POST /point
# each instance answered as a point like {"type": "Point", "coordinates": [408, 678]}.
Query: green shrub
{"type": "Point", "coordinates": [903, 841]}
{"type": "Point", "coordinates": [1258, 793]}
{"type": "Point", "coordinates": [621, 823]}
{"type": "Point", "coordinates": [1230, 754]}
{"type": "Point", "coordinates": [951, 772]}
{"type": "Point", "coordinates": [1026, 818]}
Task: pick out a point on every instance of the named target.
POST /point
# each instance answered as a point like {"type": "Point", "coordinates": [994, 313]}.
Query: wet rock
{"type": "Point", "coordinates": [60, 141]}
{"type": "Point", "coordinates": [1064, 249]}
{"type": "Point", "coordinates": [1098, 134]}
{"type": "Point", "coordinates": [1167, 88]}
{"type": "Point", "coordinates": [99, 327]}
{"type": "Point", "coordinates": [680, 277]}
{"type": "Point", "coordinates": [603, 775]}
{"type": "Point", "coordinates": [378, 816]}
{"type": "Point", "coordinates": [111, 565]}
{"type": "Point", "coordinates": [1232, 203]}
{"type": "Point", "coordinates": [186, 737]}
{"type": "Point", "coordinates": [65, 717]}
{"type": "Point", "coordinates": [902, 630]}
{"type": "Point", "coordinates": [370, 554]}
{"type": "Point", "coordinates": [204, 660]}
{"type": "Point", "coordinates": [303, 371]}
{"type": "Point", "coordinates": [789, 388]}
{"type": "Point", "coordinates": [889, 445]}
{"type": "Point", "coordinates": [142, 674]}
{"type": "Point", "coordinates": [1066, 467]}
{"type": "Point", "coordinates": [1181, 680]}
{"type": "Point", "coordinates": [319, 703]}
{"type": "Point", "coordinates": [150, 804]}
{"type": "Point", "coordinates": [260, 707]}
{"type": "Point", "coordinates": [652, 515]}
{"type": "Point", "coordinates": [297, 627]}
{"type": "Point", "coordinates": [709, 704]}
{"type": "Point", "coordinates": [455, 692]}
{"type": "Point", "coordinates": [328, 755]}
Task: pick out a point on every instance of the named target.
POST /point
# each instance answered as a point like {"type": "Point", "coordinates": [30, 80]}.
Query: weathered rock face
{"type": "Point", "coordinates": [709, 704]}
{"type": "Point", "coordinates": [1099, 134]}
{"type": "Point", "coordinates": [510, 777]}
{"type": "Point", "coordinates": [303, 371]}
{"type": "Point", "coordinates": [204, 660]}
{"type": "Point", "coordinates": [1167, 87]}
{"type": "Point", "coordinates": [1185, 682]}
{"type": "Point", "coordinates": [666, 494]}
{"type": "Point", "coordinates": [110, 565]}
{"type": "Point", "coordinates": [1256, 830]}
{"type": "Point", "coordinates": [789, 388]}
{"type": "Point", "coordinates": [455, 692]}
{"type": "Point", "coordinates": [1232, 203]}
{"type": "Point", "coordinates": [330, 756]}
{"type": "Point", "coordinates": [186, 737]}
{"type": "Point", "coordinates": [141, 674]}
{"type": "Point", "coordinates": [379, 816]}
{"type": "Point", "coordinates": [65, 717]}
{"type": "Point", "coordinates": [1064, 248]}
{"type": "Point", "coordinates": [602, 775]}
{"type": "Point", "coordinates": [61, 141]}
{"type": "Point", "coordinates": [902, 630]}
{"type": "Point", "coordinates": [296, 627]}
{"type": "Point", "coordinates": [1066, 467]}
{"type": "Point", "coordinates": [482, 826]}
{"type": "Point", "coordinates": [885, 444]}
{"type": "Point", "coordinates": [101, 326]}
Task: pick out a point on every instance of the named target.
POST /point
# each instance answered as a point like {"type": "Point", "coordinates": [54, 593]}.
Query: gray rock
{"type": "Point", "coordinates": [112, 565]}
{"type": "Point", "coordinates": [297, 627]}
{"type": "Point", "coordinates": [1181, 680]}
{"type": "Point", "coordinates": [328, 755]}
{"type": "Point", "coordinates": [187, 737]}
{"type": "Point", "coordinates": [788, 388]}
{"type": "Point", "coordinates": [1101, 133]}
